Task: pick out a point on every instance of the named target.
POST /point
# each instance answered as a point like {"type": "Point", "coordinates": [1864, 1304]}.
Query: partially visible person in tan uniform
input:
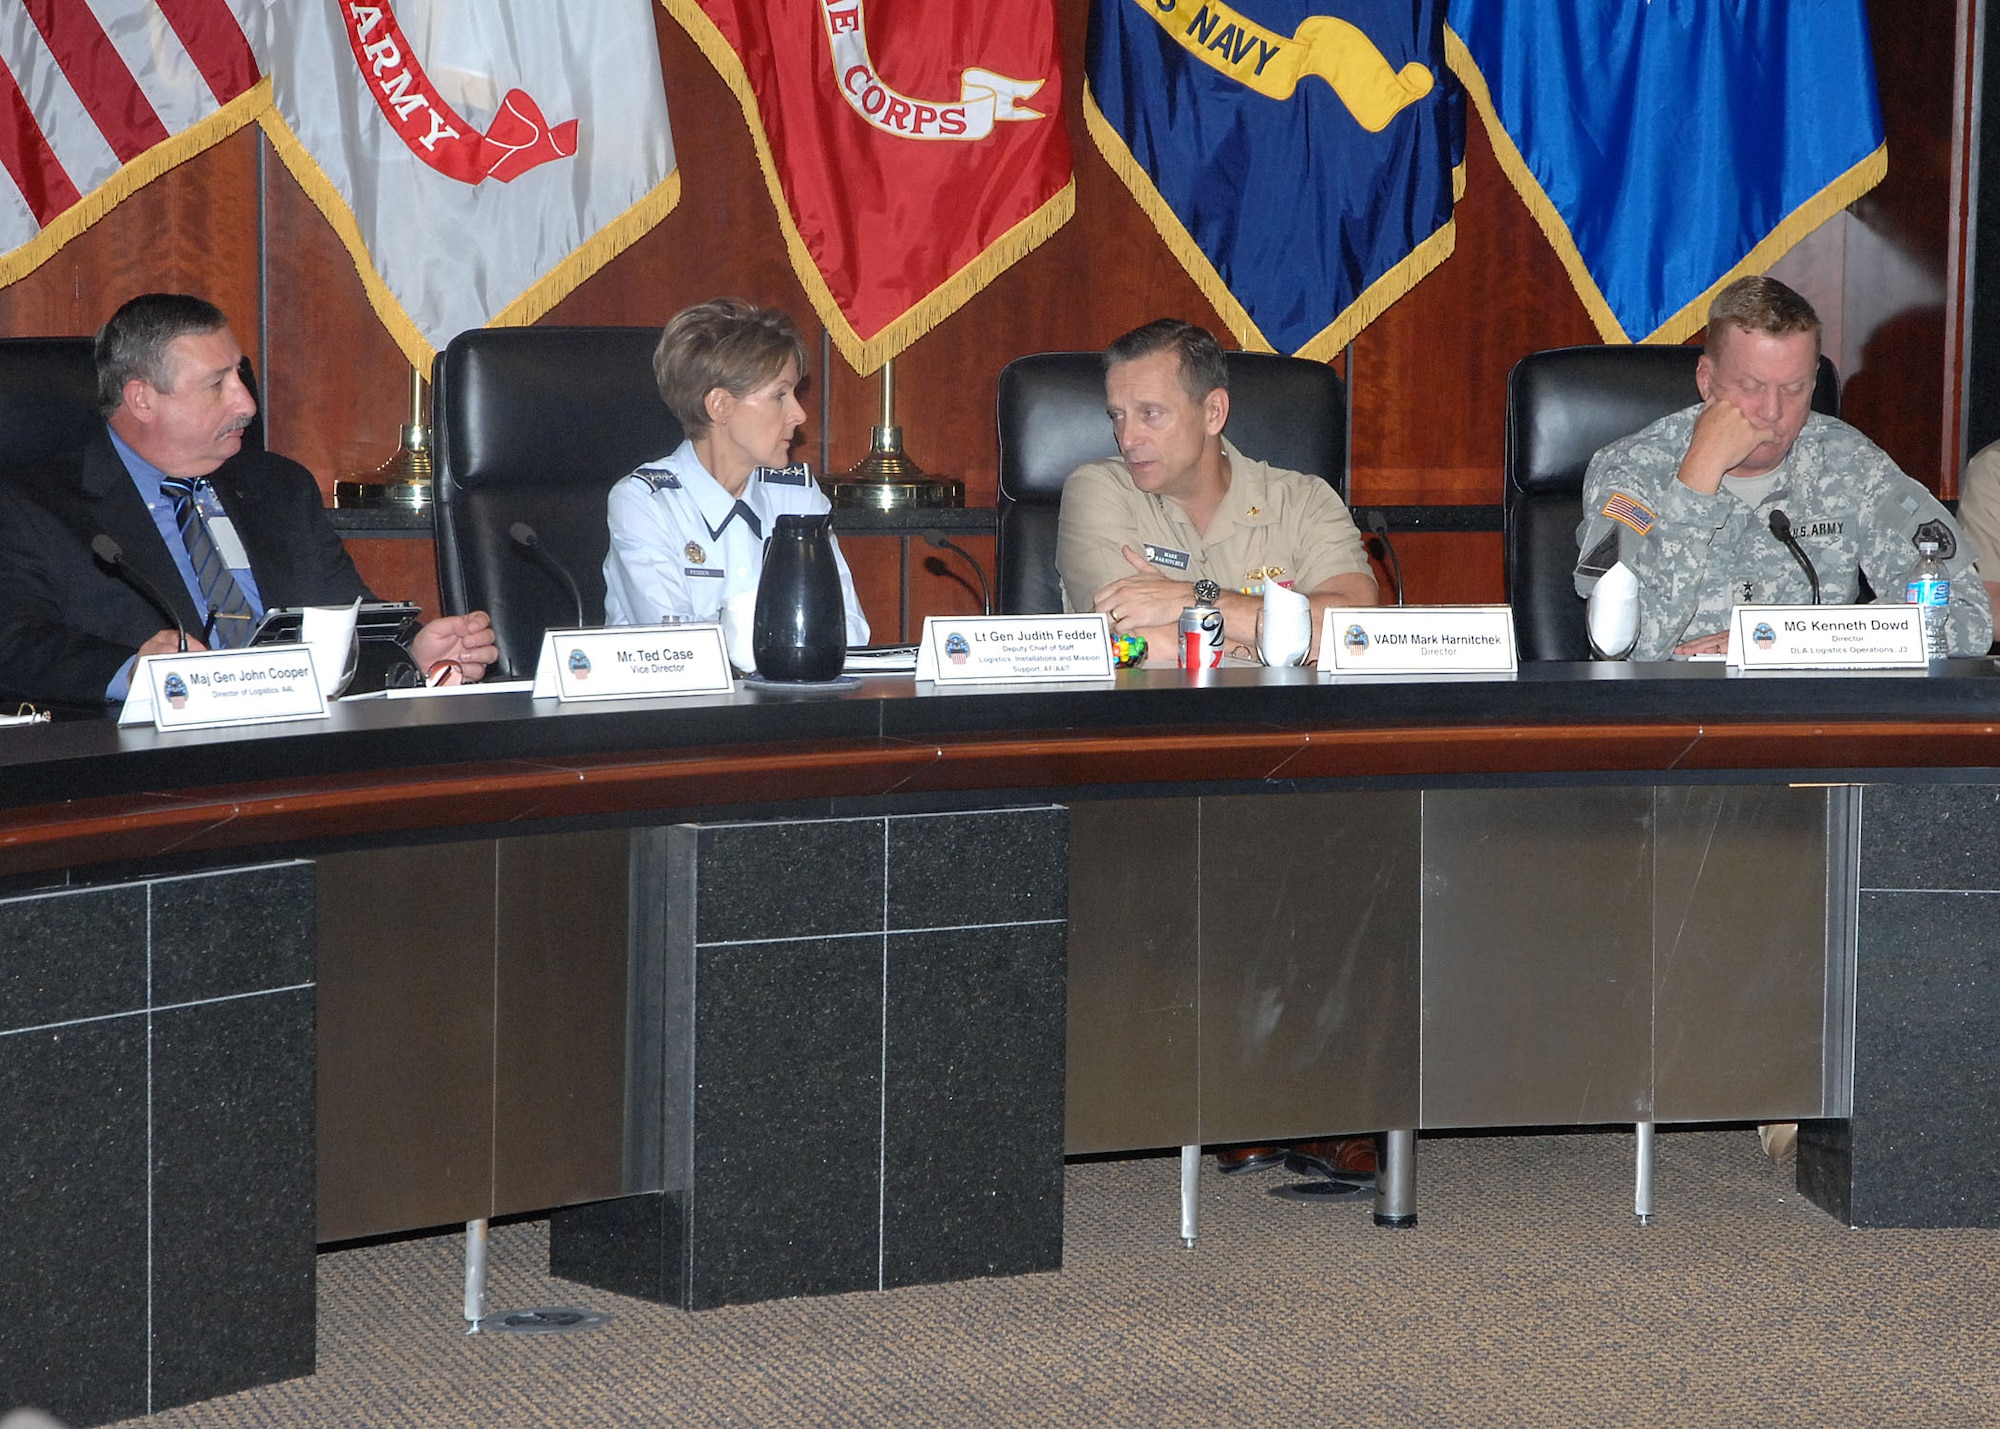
{"type": "Point", "coordinates": [1145, 535]}
{"type": "Point", "coordinates": [1979, 514]}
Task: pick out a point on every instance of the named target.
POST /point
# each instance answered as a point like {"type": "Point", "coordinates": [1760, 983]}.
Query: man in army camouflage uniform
{"type": "Point", "coordinates": [1686, 504]}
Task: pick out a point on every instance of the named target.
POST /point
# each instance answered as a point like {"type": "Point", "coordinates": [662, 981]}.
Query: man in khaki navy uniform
{"type": "Point", "coordinates": [1979, 513]}
{"type": "Point", "coordinates": [1686, 504]}
{"type": "Point", "coordinates": [1183, 518]}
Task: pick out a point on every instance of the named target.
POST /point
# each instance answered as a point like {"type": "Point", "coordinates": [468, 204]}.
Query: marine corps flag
{"type": "Point", "coordinates": [914, 148]}
{"type": "Point", "coordinates": [479, 158]}
{"type": "Point", "coordinates": [1668, 149]}
{"type": "Point", "coordinates": [98, 97]}
{"type": "Point", "coordinates": [1298, 156]}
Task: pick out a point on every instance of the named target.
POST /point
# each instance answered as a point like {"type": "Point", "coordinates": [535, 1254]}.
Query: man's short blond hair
{"type": "Point", "coordinates": [1761, 305]}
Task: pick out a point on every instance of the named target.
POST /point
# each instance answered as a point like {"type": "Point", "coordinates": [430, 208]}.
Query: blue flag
{"type": "Point", "coordinates": [1298, 156]}
{"type": "Point", "coordinates": [1668, 148]}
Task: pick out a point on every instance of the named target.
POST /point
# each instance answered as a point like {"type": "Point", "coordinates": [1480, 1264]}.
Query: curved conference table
{"type": "Point", "coordinates": [1174, 911]}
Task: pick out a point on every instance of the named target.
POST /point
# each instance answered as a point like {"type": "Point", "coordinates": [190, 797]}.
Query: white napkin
{"type": "Point", "coordinates": [1614, 612]}
{"type": "Point", "coordinates": [1285, 633]}
{"type": "Point", "coordinates": [329, 631]}
{"type": "Point", "coordinates": [739, 622]}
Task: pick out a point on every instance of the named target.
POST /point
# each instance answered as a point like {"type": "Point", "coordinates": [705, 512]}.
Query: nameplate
{"type": "Point", "coordinates": [629, 662]}
{"type": "Point", "coordinates": [1012, 649]}
{"type": "Point", "coordinates": [1827, 637]}
{"type": "Point", "coordinates": [208, 689]}
{"type": "Point", "coordinates": [1417, 640]}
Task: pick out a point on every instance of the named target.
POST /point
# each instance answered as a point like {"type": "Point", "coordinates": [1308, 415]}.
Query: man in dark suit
{"type": "Point", "coordinates": [175, 411]}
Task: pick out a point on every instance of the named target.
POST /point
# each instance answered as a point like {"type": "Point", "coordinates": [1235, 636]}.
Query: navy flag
{"type": "Point", "coordinates": [1300, 157]}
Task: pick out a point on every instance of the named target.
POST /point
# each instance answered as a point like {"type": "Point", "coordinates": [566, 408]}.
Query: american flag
{"type": "Point", "coordinates": [99, 96]}
{"type": "Point", "coordinates": [1623, 508]}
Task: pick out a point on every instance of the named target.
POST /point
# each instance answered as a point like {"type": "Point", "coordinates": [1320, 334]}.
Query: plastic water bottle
{"type": "Point", "coordinates": [1930, 587]}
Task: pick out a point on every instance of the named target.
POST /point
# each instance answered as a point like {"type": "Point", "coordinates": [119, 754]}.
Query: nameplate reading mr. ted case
{"type": "Point", "coordinates": [629, 662]}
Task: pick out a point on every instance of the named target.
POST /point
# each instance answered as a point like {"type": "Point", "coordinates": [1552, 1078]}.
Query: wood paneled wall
{"type": "Point", "coordinates": [1428, 378]}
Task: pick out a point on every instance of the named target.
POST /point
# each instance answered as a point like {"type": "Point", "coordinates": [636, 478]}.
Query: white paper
{"type": "Point", "coordinates": [329, 632]}
{"type": "Point", "coordinates": [1614, 612]}
{"type": "Point", "coordinates": [739, 624]}
{"type": "Point", "coordinates": [1285, 633]}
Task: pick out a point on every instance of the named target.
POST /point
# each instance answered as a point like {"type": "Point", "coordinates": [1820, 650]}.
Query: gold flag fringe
{"type": "Point", "coordinates": [548, 290]}
{"type": "Point", "coordinates": [1802, 220]}
{"type": "Point", "coordinates": [865, 355]}
{"type": "Point", "coordinates": [167, 154]}
{"type": "Point", "coordinates": [1324, 345]}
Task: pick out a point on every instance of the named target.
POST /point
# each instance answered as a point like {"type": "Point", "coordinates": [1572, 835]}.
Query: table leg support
{"type": "Point", "coordinates": [475, 1274]}
{"type": "Point", "coordinates": [1190, 1194]}
{"type": "Point", "coordinates": [1642, 1181]}
{"type": "Point", "coordinates": [1396, 1182]}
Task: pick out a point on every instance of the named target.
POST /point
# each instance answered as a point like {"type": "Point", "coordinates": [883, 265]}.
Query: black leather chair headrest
{"type": "Point", "coordinates": [534, 425]}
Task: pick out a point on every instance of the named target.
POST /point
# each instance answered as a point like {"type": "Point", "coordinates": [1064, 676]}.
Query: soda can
{"type": "Point", "coordinates": [1201, 638]}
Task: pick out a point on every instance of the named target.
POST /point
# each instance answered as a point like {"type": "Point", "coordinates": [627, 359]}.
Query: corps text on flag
{"type": "Point", "coordinates": [914, 148]}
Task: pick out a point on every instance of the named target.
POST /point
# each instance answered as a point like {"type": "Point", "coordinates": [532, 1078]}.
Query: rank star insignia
{"type": "Point", "coordinates": [695, 553]}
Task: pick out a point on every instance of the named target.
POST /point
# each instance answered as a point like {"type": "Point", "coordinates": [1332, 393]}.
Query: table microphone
{"type": "Point", "coordinates": [1378, 527]}
{"type": "Point", "coordinates": [525, 537]}
{"type": "Point", "coordinates": [113, 555]}
{"type": "Point", "coordinates": [1781, 527]}
{"type": "Point", "coordinates": [937, 566]}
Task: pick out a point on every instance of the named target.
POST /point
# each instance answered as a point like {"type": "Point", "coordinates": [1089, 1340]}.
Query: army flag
{"type": "Point", "coordinates": [98, 97]}
{"type": "Point", "coordinates": [1667, 149]}
{"type": "Point", "coordinates": [1299, 157]}
{"type": "Point", "coordinates": [479, 160]}
{"type": "Point", "coordinates": [914, 149]}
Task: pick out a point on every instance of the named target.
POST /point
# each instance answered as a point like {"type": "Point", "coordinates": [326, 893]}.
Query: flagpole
{"type": "Point", "coordinates": [887, 479]}
{"type": "Point", "coordinates": [404, 480]}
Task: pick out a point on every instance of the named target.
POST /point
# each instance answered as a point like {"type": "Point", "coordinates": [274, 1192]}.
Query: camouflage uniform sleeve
{"type": "Point", "coordinates": [1900, 512]}
{"type": "Point", "coordinates": [1636, 510]}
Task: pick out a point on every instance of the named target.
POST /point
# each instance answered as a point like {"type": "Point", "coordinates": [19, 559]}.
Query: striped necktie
{"type": "Point", "coordinates": [230, 614]}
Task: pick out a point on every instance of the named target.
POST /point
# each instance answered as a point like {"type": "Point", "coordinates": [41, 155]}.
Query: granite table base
{"type": "Point", "coordinates": [845, 1060]}
{"type": "Point", "coordinates": [1922, 1147]}
{"type": "Point", "coordinates": [156, 1135]}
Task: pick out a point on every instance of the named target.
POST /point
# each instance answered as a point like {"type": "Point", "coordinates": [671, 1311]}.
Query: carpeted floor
{"type": "Point", "coordinates": [1526, 1295]}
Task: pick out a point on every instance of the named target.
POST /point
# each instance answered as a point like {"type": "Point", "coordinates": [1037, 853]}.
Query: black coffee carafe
{"type": "Point", "coordinates": [800, 630]}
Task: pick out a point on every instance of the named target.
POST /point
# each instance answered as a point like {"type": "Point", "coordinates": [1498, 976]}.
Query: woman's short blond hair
{"type": "Point", "coordinates": [726, 343]}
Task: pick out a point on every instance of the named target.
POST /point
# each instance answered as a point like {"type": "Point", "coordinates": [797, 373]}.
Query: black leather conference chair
{"type": "Point", "coordinates": [1563, 405]}
{"type": "Point", "coordinates": [534, 425]}
{"type": "Point", "coordinates": [1283, 410]}
{"type": "Point", "coordinates": [48, 400]}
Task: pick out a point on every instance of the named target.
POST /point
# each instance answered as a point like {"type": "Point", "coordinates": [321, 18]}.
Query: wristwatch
{"type": "Point", "coordinates": [1206, 592]}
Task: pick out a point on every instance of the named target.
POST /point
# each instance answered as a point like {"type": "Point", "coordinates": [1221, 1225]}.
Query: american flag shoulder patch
{"type": "Point", "coordinates": [1624, 509]}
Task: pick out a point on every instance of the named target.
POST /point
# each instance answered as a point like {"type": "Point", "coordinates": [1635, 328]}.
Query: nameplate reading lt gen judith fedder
{"type": "Point", "coordinates": [1014, 649]}
{"type": "Point", "coordinates": [1417, 640]}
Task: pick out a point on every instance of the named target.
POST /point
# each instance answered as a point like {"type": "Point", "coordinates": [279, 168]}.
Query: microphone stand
{"type": "Point", "coordinates": [1781, 527]}
{"type": "Point", "coordinates": [523, 535]}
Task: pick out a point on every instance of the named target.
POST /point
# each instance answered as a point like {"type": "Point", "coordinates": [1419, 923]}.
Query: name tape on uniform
{"type": "Point", "coordinates": [629, 662]}
{"type": "Point", "coordinates": [1013, 649]}
{"type": "Point", "coordinates": [1827, 637]}
{"type": "Point", "coordinates": [1418, 640]}
{"type": "Point", "coordinates": [210, 689]}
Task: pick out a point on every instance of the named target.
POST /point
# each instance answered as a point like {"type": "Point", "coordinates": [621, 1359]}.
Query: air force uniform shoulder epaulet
{"type": "Point", "coordinates": [658, 477]}
{"type": "Point", "coordinates": [797, 474]}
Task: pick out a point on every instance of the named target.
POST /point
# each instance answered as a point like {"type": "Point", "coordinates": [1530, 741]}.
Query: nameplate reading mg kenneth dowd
{"type": "Point", "coordinates": [628, 662]}
{"type": "Point", "coordinates": [1827, 637]}
{"type": "Point", "coordinates": [1417, 640]}
{"type": "Point", "coordinates": [206, 689]}
{"type": "Point", "coordinates": [990, 649]}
